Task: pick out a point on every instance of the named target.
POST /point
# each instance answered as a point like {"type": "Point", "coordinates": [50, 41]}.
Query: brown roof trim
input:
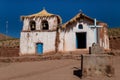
{"type": "Point", "coordinates": [42, 14]}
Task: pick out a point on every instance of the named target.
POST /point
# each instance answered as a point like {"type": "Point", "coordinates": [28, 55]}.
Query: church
{"type": "Point", "coordinates": [43, 32]}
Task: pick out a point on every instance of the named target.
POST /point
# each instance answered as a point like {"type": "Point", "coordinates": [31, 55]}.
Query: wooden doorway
{"type": "Point", "coordinates": [39, 48]}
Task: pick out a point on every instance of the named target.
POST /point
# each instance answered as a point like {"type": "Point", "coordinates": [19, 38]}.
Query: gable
{"type": "Point", "coordinates": [80, 18]}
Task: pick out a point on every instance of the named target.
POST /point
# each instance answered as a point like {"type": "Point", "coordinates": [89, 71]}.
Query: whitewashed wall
{"type": "Point", "coordinates": [62, 40]}
{"type": "Point", "coordinates": [68, 39]}
{"type": "Point", "coordinates": [90, 33]}
{"type": "Point", "coordinates": [52, 21]}
{"type": "Point", "coordinates": [28, 40]}
{"type": "Point", "coordinates": [28, 44]}
{"type": "Point", "coordinates": [26, 24]}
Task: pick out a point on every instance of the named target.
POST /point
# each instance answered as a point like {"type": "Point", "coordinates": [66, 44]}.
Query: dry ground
{"type": "Point", "coordinates": [61, 69]}
{"type": "Point", "coordinates": [49, 70]}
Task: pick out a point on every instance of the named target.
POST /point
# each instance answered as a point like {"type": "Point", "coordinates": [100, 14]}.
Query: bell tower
{"type": "Point", "coordinates": [42, 21]}
{"type": "Point", "coordinates": [39, 33]}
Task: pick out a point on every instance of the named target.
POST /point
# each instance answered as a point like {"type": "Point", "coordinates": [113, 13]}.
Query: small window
{"type": "Point", "coordinates": [45, 25]}
{"type": "Point", "coordinates": [32, 25]}
{"type": "Point", "coordinates": [80, 26]}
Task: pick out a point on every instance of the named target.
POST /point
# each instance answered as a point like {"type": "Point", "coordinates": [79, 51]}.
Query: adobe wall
{"type": "Point", "coordinates": [68, 39]}
{"type": "Point", "coordinates": [52, 21]}
{"type": "Point", "coordinates": [28, 42]}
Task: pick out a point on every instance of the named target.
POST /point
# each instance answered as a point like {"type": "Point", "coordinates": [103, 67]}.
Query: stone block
{"type": "Point", "coordinates": [96, 49]}
{"type": "Point", "coordinates": [93, 65]}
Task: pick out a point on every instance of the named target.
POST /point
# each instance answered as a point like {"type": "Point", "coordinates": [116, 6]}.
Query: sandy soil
{"type": "Point", "coordinates": [49, 70]}
{"type": "Point", "coordinates": [43, 70]}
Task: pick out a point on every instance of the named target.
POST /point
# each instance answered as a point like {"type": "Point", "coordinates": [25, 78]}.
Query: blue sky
{"type": "Point", "coordinates": [10, 10]}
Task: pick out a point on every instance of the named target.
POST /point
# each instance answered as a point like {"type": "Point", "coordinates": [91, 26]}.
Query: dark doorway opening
{"type": "Point", "coordinates": [45, 25]}
{"type": "Point", "coordinates": [81, 40]}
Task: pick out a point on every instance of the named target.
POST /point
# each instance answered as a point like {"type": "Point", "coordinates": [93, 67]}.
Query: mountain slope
{"type": "Point", "coordinates": [114, 32]}
{"type": "Point", "coordinates": [4, 37]}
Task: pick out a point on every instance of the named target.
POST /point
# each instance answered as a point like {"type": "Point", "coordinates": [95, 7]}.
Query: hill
{"type": "Point", "coordinates": [114, 38]}
{"type": "Point", "coordinates": [114, 32]}
{"type": "Point", "coordinates": [4, 37]}
{"type": "Point", "coordinates": [7, 41]}
{"type": "Point", "coordinates": [9, 46]}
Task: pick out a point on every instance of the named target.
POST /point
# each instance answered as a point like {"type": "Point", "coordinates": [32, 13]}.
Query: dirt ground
{"type": "Point", "coordinates": [59, 69]}
{"type": "Point", "coordinates": [49, 70]}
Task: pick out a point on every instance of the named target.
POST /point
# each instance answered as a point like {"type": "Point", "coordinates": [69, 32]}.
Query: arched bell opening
{"type": "Point", "coordinates": [45, 25]}
{"type": "Point", "coordinates": [32, 25]}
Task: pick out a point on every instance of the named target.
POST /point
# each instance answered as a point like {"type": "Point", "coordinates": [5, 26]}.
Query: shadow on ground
{"type": "Point", "coordinates": [77, 72]}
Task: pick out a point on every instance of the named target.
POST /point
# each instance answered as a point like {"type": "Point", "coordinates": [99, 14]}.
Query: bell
{"type": "Point", "coordinates": [44, 25]}
{"type": "Point", "coordinates": [32, 26]}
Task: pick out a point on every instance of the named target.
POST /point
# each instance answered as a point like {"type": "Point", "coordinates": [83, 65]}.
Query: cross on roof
{"type": "Point", "coordinates": [43, 8]}
{"type": "Point", "coordinates": [80, 11]}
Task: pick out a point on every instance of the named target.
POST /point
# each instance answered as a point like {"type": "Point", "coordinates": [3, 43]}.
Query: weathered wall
{"type": "Point", "coordinates": [90, 33]}
{"type": "Point", "coordinates": [28, 42]}
{"type": "Point", "coordinates": [68, 39]}
{"type": "Point", "coordinates": [104, 39]}
{"type": "Point", "coordinates": [96, 65]}
{"type": "Point", "coordinates": [52, 21]}
{"type": "Point", "coordinates": [29, 38]}
{"type": "Point", "coordinates": [69, 42]}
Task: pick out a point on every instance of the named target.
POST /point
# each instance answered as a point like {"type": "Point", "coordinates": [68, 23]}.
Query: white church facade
{"type": "Point", "coordinates": [44, 32]}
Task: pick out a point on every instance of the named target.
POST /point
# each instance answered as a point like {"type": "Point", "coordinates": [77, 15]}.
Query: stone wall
{"type": "Point", "coordinates": [96, 65]}
{"type": "Point", "coordinates": [96, 49]}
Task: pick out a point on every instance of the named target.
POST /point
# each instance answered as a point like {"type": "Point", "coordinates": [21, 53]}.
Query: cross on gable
{"type": "Point", "coordinates": [43, 8]}
{"type": "Point", "coordinates": [95, 27]}
{"type": "Point", "coordinates": [80, 11]}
